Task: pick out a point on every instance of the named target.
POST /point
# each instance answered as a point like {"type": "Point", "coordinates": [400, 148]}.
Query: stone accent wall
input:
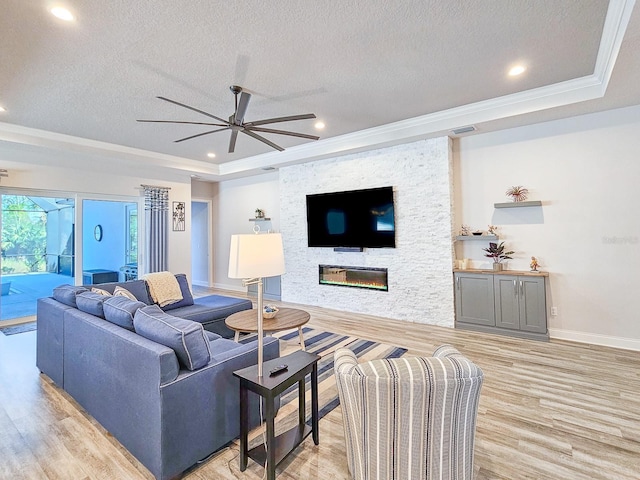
{"type": "Point", "coordinates": [420, 267]}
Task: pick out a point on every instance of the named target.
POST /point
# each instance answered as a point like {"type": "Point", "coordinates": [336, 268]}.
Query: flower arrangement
{"type": "Point", "coordinates": [518, 193]}
{"type": "Point", "coordinates": [496, 251]}
{"type": "Point", "coordinates": [259, 213]}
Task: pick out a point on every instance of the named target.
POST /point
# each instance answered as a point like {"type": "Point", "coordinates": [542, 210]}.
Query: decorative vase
{"type": "Point", "coordinates": [497, 267]}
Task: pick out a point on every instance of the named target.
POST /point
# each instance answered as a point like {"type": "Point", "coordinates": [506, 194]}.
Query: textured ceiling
{"type": "Point", "coordinates": [356, 65]}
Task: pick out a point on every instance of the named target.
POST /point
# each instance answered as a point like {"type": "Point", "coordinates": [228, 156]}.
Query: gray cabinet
{"type": "Point", "coordinates": [475, 299]}
{"type": "Point", "coordinates": [502, 302]}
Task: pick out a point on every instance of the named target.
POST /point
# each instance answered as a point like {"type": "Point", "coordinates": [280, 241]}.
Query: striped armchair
{"type": "Point", "coordinates": [409, 418]}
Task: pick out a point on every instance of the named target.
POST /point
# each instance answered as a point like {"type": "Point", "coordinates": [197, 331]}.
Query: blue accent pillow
{"type": "Point", "coordinates": [91, 302]}
{"type": "Point", "coordinates": [187, 297]}
{"type": "Point", "coordinates": [185, 337]}
{"type": "Point", "coordinates": [67, 294]}
{"type": "Point", "coordinates": [121, 310]}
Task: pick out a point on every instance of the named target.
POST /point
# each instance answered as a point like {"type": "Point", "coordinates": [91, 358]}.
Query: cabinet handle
{"type": "Point", "coordinates": [521, 289]}
{"type": "Point", "coordinates": [515, 288]}
{"type": "Point", "coordinates": [458, 283]}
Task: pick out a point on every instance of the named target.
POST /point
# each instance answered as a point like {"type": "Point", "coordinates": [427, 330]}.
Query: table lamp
{"type": "Point", "coordinates": [251, 258]}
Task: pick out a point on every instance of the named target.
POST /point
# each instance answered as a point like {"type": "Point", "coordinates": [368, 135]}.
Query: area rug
{"type": "Point", "coordinates": [23, 327]}
{"type": "Point", "coordinates": [323, 344]}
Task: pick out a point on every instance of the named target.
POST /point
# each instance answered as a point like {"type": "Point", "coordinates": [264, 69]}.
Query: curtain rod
{"type": "Point", "coordinates": [154, 186]}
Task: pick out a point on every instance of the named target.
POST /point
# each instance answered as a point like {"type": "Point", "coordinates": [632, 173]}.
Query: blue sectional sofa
{"type": "Point", "coordinates": [162, 385]}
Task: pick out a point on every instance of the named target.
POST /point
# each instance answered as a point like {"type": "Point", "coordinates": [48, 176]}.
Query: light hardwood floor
{"type": "Point", "coordinates": [553, 410]}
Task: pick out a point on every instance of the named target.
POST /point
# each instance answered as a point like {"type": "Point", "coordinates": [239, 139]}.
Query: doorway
{"type": "Point", "coordinates": [201, 243]}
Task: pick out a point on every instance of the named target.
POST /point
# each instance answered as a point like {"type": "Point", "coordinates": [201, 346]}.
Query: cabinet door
{"type": "Point", "coordinates": [474, 299]}
{"type": "Point", "coordinates": [507, 306]}
{"type": "Point", "coordinates": [533, 305]}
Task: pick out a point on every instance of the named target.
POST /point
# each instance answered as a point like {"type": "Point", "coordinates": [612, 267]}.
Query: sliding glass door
{"type": "Point", "coordinates": [38, 253]}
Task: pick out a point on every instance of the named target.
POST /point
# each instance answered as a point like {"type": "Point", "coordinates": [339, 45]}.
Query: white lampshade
{"type": "Point", "coordinates": [256, 255]}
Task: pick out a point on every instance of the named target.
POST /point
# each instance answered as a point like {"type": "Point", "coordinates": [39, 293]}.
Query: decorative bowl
{"type": "Point", "coordinates": [269, 311]}
{"type": "Point", "coordinates": [477, 233]}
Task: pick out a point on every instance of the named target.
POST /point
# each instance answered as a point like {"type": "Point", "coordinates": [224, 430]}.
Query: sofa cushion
{"type": "Point", "coordinates": [213, 307]}
{"type": "Point", "coordinates": [123, 292]}
{"type": "Point", "coordinates": [67, 294]}
{"type": "Point", "coordinates": [187, 297]}
{"type": "Point", "coordinates": [185, 337]}
{"type": "Point", "coordinates": [91, 302]}
{"type": "Point", "coordinates": [121, 310]}
{"type": "Point", "coordinates": [137, 287]}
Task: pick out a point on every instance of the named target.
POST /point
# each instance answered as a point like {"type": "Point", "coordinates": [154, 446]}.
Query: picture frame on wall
{"type": "Point", "coordinates": [178, 216]}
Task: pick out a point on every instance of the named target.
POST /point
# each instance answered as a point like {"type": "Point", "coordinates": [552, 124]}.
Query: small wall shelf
{"type": "Point", "coordinates": [476, 237]}
{"type": "Point", "coordinates": [531, 203]}
{"type": "Point", "coordinates": [259, 219]}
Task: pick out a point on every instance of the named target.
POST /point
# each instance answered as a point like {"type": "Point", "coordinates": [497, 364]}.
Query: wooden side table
{"type": "Point", "coordinates": [286, 319]}
{"type": "Point", "coordinates": [278, 448]}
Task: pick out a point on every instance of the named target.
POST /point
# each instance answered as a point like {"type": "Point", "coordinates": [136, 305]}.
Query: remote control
{"type": "Point", "coordinates": [277, 370]}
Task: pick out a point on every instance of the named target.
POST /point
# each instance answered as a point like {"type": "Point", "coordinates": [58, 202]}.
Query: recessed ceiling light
{"type": "Point", "coordinates": [319, 125]}
{"type": "Point", "coordinates": [211, 155]}
{"type": "Point", "coordinates": [517, 70]}
{"type": "Point", "coordinates": [62, 13]}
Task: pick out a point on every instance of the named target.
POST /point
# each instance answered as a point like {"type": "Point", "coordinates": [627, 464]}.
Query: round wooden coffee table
{"type": "Point", "coordinates": [286, 319]}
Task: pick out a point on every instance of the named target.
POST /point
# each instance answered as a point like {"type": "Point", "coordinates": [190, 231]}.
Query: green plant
{"type": "Point", "coordinates": [496, 251]}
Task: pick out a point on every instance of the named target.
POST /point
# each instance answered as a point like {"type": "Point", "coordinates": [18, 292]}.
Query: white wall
{"type": "Point", "coordinates": [89, 184]}
{"type": "Point", "coordinates": [236, 203]}
{"type": "Point", "coordinates": [419, 268]}
{"type": "Point", "coordinates": [587, 233]}
{"type": "Point", "coordinates": [110, 252]}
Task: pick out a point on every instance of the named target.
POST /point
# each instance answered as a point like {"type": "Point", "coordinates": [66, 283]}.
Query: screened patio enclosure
{"type": "Point", "coordinates": [37, 251]}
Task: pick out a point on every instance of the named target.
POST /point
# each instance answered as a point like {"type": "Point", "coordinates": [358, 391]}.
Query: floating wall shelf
{"type": "Point", "coordinates": [476, 237]}
{"type": "Point", "coordinates": [259, 219]}
{"type": "Point", "coordinates": [531, 203]}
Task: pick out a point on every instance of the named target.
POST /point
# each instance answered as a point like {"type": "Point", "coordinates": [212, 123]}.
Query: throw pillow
{"type": "Point", "coordinates": [90, 302]}
{"type": "Point", "coordinates": [67, 294]}
{"type": "Point", "coordinates": [123, 292]}
{"type": "Point", "coordinates": [100, 291]}
{"type": "Point", "coordinates": [185, 337]}
{"type": "Point", "coordinates": [187, 297]}
{"type": "Point", "coordinates": [121, 310]}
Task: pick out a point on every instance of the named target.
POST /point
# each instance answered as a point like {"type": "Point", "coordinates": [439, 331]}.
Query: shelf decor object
{"type": "Point", "coordinates": [517, 193]}
{"type": "Point", "coordinates": [496, 251]}
{"type": "Point", "coordinates": [251, 258]}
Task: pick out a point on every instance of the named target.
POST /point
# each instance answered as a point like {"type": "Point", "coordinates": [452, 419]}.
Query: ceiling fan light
{"type": "Point", "coordinates": [319, 125]}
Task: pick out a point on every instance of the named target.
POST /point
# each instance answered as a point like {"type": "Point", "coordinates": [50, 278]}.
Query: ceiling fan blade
{"type": "Point", "coordinates": [281, 119]}
{"type": "Point", "coordinates": [242, 107]}
{"type": "Point", "coordinates": [192, 108]}
{"type": "Point", "coordinates": [232, 142]}
{"type": "Point", "coordinates": [262, 139]}
{"type": "Point", "coordinates": [188, 123]}
{"type": "Point", "coordinates": [200, 135]}
{"type": "Point", "coordinates": [282, 132]}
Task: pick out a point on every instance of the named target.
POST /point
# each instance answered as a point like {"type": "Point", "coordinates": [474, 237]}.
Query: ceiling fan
{"type": "Point", "coordinates": [237, 124]}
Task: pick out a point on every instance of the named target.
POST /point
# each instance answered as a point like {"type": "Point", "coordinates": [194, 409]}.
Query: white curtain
{"type": "Point", "coordinates": [156, 210]}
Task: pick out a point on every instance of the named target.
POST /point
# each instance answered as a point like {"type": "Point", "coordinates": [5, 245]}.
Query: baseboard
{"type": "Point", "coordinates": [232, 288]}
{"type": "Point", "coordinates": [198, 283]}
{"type": "Point", "coordinates": [595, 339]}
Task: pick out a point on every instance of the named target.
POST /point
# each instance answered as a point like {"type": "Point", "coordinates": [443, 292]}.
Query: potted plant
{"type": "Point", "coordinates": [496, 251]}
{"type": "Point", "coordinates": [259, 213]}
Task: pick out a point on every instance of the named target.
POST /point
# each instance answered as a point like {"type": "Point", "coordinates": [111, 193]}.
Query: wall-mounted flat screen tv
{"type": "Point", "coordinates": [357, 218]}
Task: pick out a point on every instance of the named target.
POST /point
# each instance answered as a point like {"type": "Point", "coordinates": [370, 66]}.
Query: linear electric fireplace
{"type": "Point", "coordinates": [358, 277]}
